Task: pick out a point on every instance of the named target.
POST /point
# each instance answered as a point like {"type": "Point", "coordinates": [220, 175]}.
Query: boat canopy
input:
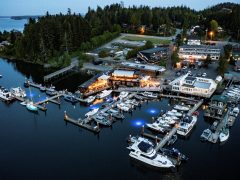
{"type": "Point", "coordinates": [143, 146]}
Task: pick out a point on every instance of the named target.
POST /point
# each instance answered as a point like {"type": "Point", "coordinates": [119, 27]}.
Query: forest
{"type": "Point", "coordinates": [56, 37]}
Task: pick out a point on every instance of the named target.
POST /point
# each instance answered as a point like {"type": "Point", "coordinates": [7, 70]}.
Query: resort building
{"type": "Point", "coordinates": [197, 86]}
{"type": "Point", "coordinates": [147, 69]}
{"type": "Point", "coordinates": [217, 108]}
{"type": "Point", "coordinates": [199, 52]}
{"type": "Point", "coordinates": [154, 55]}
{"type": "Point", "coordinates": [96, 84]}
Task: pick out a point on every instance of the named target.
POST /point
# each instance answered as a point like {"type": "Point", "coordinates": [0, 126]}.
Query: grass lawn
{"type": "Point", "coordinates": [145, 38]}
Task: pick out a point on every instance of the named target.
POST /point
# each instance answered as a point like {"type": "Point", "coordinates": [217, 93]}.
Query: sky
{"type": "Point", "coordinates": [40, 7]}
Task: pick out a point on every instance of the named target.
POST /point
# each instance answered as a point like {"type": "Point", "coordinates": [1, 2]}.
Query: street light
{"type": "Point", "coordinates": [211, 34]}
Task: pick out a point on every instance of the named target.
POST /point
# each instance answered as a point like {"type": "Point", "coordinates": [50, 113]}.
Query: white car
{"type": "Point", "coordinates": [204, 74]}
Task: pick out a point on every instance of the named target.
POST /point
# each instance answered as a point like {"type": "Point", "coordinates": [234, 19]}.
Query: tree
{"type": "Point", "coordinates": [214, 25]}
{"type": "Point", "coordinates": [175, 59]}
{"type": "Point", "coordinates": [208, 60]}
{"type": "Point", "coordinates": [222, 66]}
{"type": "Point", "coordinates": [103, 54]}
{"type": "Point", "coordinates": [149, 45]}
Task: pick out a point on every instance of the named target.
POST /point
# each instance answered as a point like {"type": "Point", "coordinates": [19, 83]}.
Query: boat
{"type": "Point", "coordinates": [91, 112]}
{"type": "Point", "coordinates": [172, 140]}
{"type": "Point", "coordinates": [181, 108]}
{"type": "Point", "coordinates": [90, 99]}
{"type": "Point", "coordinates": [24, 103]}
{"type": "Point", "coordinates": [235, 112]}
{"type": "Point", "coordinates": [70, 98]}
{"type": "Point", "coordinates": [5, 94]}
{"type": "Point", "coordinates": [174, 113]}
{"type": "Point", "coordinates": [123, 107]}
{"type": "Point", "coordinates": [18, 92]}
{"type": "Point", "coordinates": [156, 127]}
{"type": "Point", "coordinates": [144, 152]}
{"type": "Point", "coordinates": [206, 135]}
{"type": "Point", "coordinates": [104, 94]}
{"type": "Point", "coordinates": [149, 94]}
{"type": "Point", "coordinates": [31, 107]}
{"type": "Point", "coordinates": [122, 95]}
{"type": "Point", "coordinates": [135, 139]}
{"type": "Point", "coordinates": [214, 125]}
{"type": "Point", "coordinates": [116, 114]}
{"type": "Point", "coordinates": [174, 153]}
{"type": "Point", "coordinates": [51, 92]}
{"type": "Point", "coordinates": [0, 76]}
{"type": "Point", "coordinates": [162, 122]}
{"type": "Point", "coordinates": [224, 135]}
{"type": "Point", "coordinates": [186, 126]}
{"type": "Point", "coordinates": [169, 120]}
{"type": "Point", "coordinates": [102, 120]}
{"type": "Point", "coordinates": [42, 88]}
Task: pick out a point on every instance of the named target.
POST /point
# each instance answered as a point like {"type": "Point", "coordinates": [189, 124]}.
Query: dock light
{"type": "Point", "coordinates": [138, 122]}
{"type": "Point", "coordinates": [152, 111]}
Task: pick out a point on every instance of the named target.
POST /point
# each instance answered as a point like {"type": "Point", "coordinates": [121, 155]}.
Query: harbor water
{"type": "Point", "coordinates": [43, 146]}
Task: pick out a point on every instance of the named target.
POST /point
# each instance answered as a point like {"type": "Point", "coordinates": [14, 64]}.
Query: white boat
{"type": "Point", "coordinates": [174, 113]}
{"type": "Point", "coordinates": [104, 94]}
{"type": "Point", "coordinates": [206, 135]}
{"type": "Point", "coordinates": [144, 152]}
{"type": "Point", "coordinates": [90, 99]}
{"type": "Point", "coordinates": [91, 112]}
{"type": "Point", "coordinates": [123, 95]}
{"type": "Point", "coordinates": [0, 76]}
{"type": "Point", "coordinates": [156, 127]}
{"type": "Point", "coordinates": [18, 92]}
{"type": "Point", "coordinates": [181, 108]}
{"type": "Point", "coordinates": [169, 120]}
{"type": "Point", "coordinates": [42, 88]}
{"type": "Point", "coordinates": [5, 94]}
{"type": "Point", "coordinates": [185, 127]}
{"type": "Point", "coordinates": [235, 112]}
{"type": "Point", "coordinates": [31, 107]}
{"type": "Point", "coordinates": [224, 135]}
{"type": "Point", "coordinates": [162, 122]}
{"type": "Point", "coordinates": [123, 107]}
{"type": "Point", "coordinates": [149, 94]}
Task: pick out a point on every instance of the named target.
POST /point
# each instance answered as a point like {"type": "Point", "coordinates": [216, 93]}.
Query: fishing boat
{"type": "Point", "coordinates": [174, 153]}
{"type": "Point", "coordinates": [18, 92]}
{"type": "Point", "coordinates": [224, 135]}
{"type": "Point", "coordinates": [104, 94]}
{"type": "Point", "coordinates": [181, 108]}
{"type": "Point", "coordinates": [206, 135]}
{"type": "Point", "coordinates": [91, 112]}
{"type": "Point", "coordinates": [5, 94]}
{"type": "Point", "coordinates": [144, 152]}
{"type": "Point", "coordinates": [187, 125]}
{"type": "Point", "coordinates": [31, 107]}
{"type": "Point", "coordinates": [123, 95]}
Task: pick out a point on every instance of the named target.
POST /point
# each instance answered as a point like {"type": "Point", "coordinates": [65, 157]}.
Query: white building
{"type": "Point", "coordinates": [193, 40]}
{"type": "Point", "coordinates": [197, 86]}
{"type": "Point", "coordinates": [199, 52]}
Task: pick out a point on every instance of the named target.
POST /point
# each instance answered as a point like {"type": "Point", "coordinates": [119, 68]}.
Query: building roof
{"type": "Point", "coordinates": [202, 85]}
{"type": "Point", "coordinates": [104, 77]}
{"type": "Point", "coordinates": [189, 78]}
{"type": "Point", "coordinates": [143, 66]}
{"type": "Point", "coordinates": [219, 98]}
{"type": "Point", "coordinates": [199, 47]}
{"type": "Point", "coordinates": [124, 73]}
{"type": "Point", "coordinates": [90, 81]}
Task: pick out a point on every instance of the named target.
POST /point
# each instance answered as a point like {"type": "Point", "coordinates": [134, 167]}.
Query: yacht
{"type": "Point", "coordinates": [174, 153]}
{"type": "Point", "coordinates": [70, 98]}
{"type": "Point", "coordinates": [235, 112]}
{"type": "Point", "coordinates": [144, 152]}
{"type": "Point", "coordinates": [224, 135]}
{"type": "Point", "coordinates": [104, 94]}
{"type": "Point", "coordinates": [206, 135]}
{"type": "Point", "coordinates": [186, 126]}
{"type": "Point", "coordinates": [90, 99]}
{"type": "Point", "coordinates": [123, 95]}
{"type": "Point", "coordinates": [169, 120]}
{"type": "Point", "coordinates": [149, 94]}
{"type": "Point", "coordinates": [156, 127]}
{"type": "Point", "coordinates": [123, 107]}
{"type": "Point", "coordinates": [102, 120]}
{"type": "Point", "coordinates": [51, 92]}
{"type": "Point", "coordinates": [91, 112]}
{"type": "Point", "coordinates": [31, 107]}
{"type": "Point", "coordinates": [162, 122]}
{"type": "Point", "coordinates": [115, 114]}
{"type": "Point", "coordinates": [18, 92]}
{"type": "Point", "coordinates": [174, 113]}
{"type": "Point", "coordinates": [181, 108]}
{"type": "Point", "coordinates": [5, 94]}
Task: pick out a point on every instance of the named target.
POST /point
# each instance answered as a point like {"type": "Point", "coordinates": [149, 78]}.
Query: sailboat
{"type": "Point", "coordinates": [29, 105]}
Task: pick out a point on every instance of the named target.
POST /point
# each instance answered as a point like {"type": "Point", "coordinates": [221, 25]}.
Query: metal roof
{"type": "Point", "coordinates": [202, 85]}
{"type": "Point", "coordinates": [154, 50]}
{"type": "Point", "coordinates": [219, 98]}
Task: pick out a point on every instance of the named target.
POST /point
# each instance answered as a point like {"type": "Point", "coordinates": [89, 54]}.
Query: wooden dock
{"type": "Point", "coordinates": [50, 99]}
{"type": "Point", "coordinates": [195, 107]}
{"type": "Point", "coordinates": [177, 97]}
{"type": "Point", "coordinates": [81, 123]}
{"type": "Point", "coordinates": [61, 71]}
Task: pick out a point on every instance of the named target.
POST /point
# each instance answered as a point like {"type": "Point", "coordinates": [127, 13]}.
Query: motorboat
{"type": "Point", "coordinates": [18, 92]}
{"type": "Point", "coordinates": [162, 122]}
{"type": "Point", "coordinates": [70, 98]}
{"type": "Point", "coordinates": [174, 113]}
{"type": "Point", "coordinates": [135, 139]}
{"type": "Point", "coordinates": [31, 107]}
{"type": "Point", "coordinates": [235, 112]}
{"type": "Point", "coordinates": [156, 127]}
{"type": "Point", "coordinates": [116, 114]}
{"type": "Point", "coordinates": [90, 99]}
{"type": "Point", "coordinates": [181, 108]}
{"type": "Point", "coordinates": [5, 94]}
{"type": "Point", "coordinates": [91, 112]}
{"type": "Point", "coordinates": [144, 152]}
{"type": "Point", "coordinates": [149, 94]}
{"type": "Point", "coordinates": [123, 95]}
{"type": "Point", "coordinates": [224, 135]}
{"type": "Point", "coordinates": [123, 107]}
{"type": "Point", "coordinates": [102, 120]}
{"type": "Point", "coordinates": [169, 120]}
{"type": "Point", "coordinates": [206, 135]}
{"type": "Point", "coordinates": [42, 88]}
{"type": "Point", "coordinates": [174, 153]}
{"type": "Point", "coordinates": [185, 127]}
{"type": "Point", "coordinates": [51, 92]}
{"type": "Point", "coordinates": [172, 140]}
{"type": "Point", "coordinates": [104, 94]}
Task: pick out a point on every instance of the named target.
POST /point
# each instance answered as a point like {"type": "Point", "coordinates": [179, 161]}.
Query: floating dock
{"type": "Point", "coordinates": [177, 97]}
{"type": "Point", "coordinates": [43, 108]}
{"type": "Point", "coordinates": [195, 107]}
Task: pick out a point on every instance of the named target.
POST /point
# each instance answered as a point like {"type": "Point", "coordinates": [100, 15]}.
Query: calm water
{"type": "Point", "coordinates": [43, 146]}
{"type": "Point", "coordinates": [9, 24]}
